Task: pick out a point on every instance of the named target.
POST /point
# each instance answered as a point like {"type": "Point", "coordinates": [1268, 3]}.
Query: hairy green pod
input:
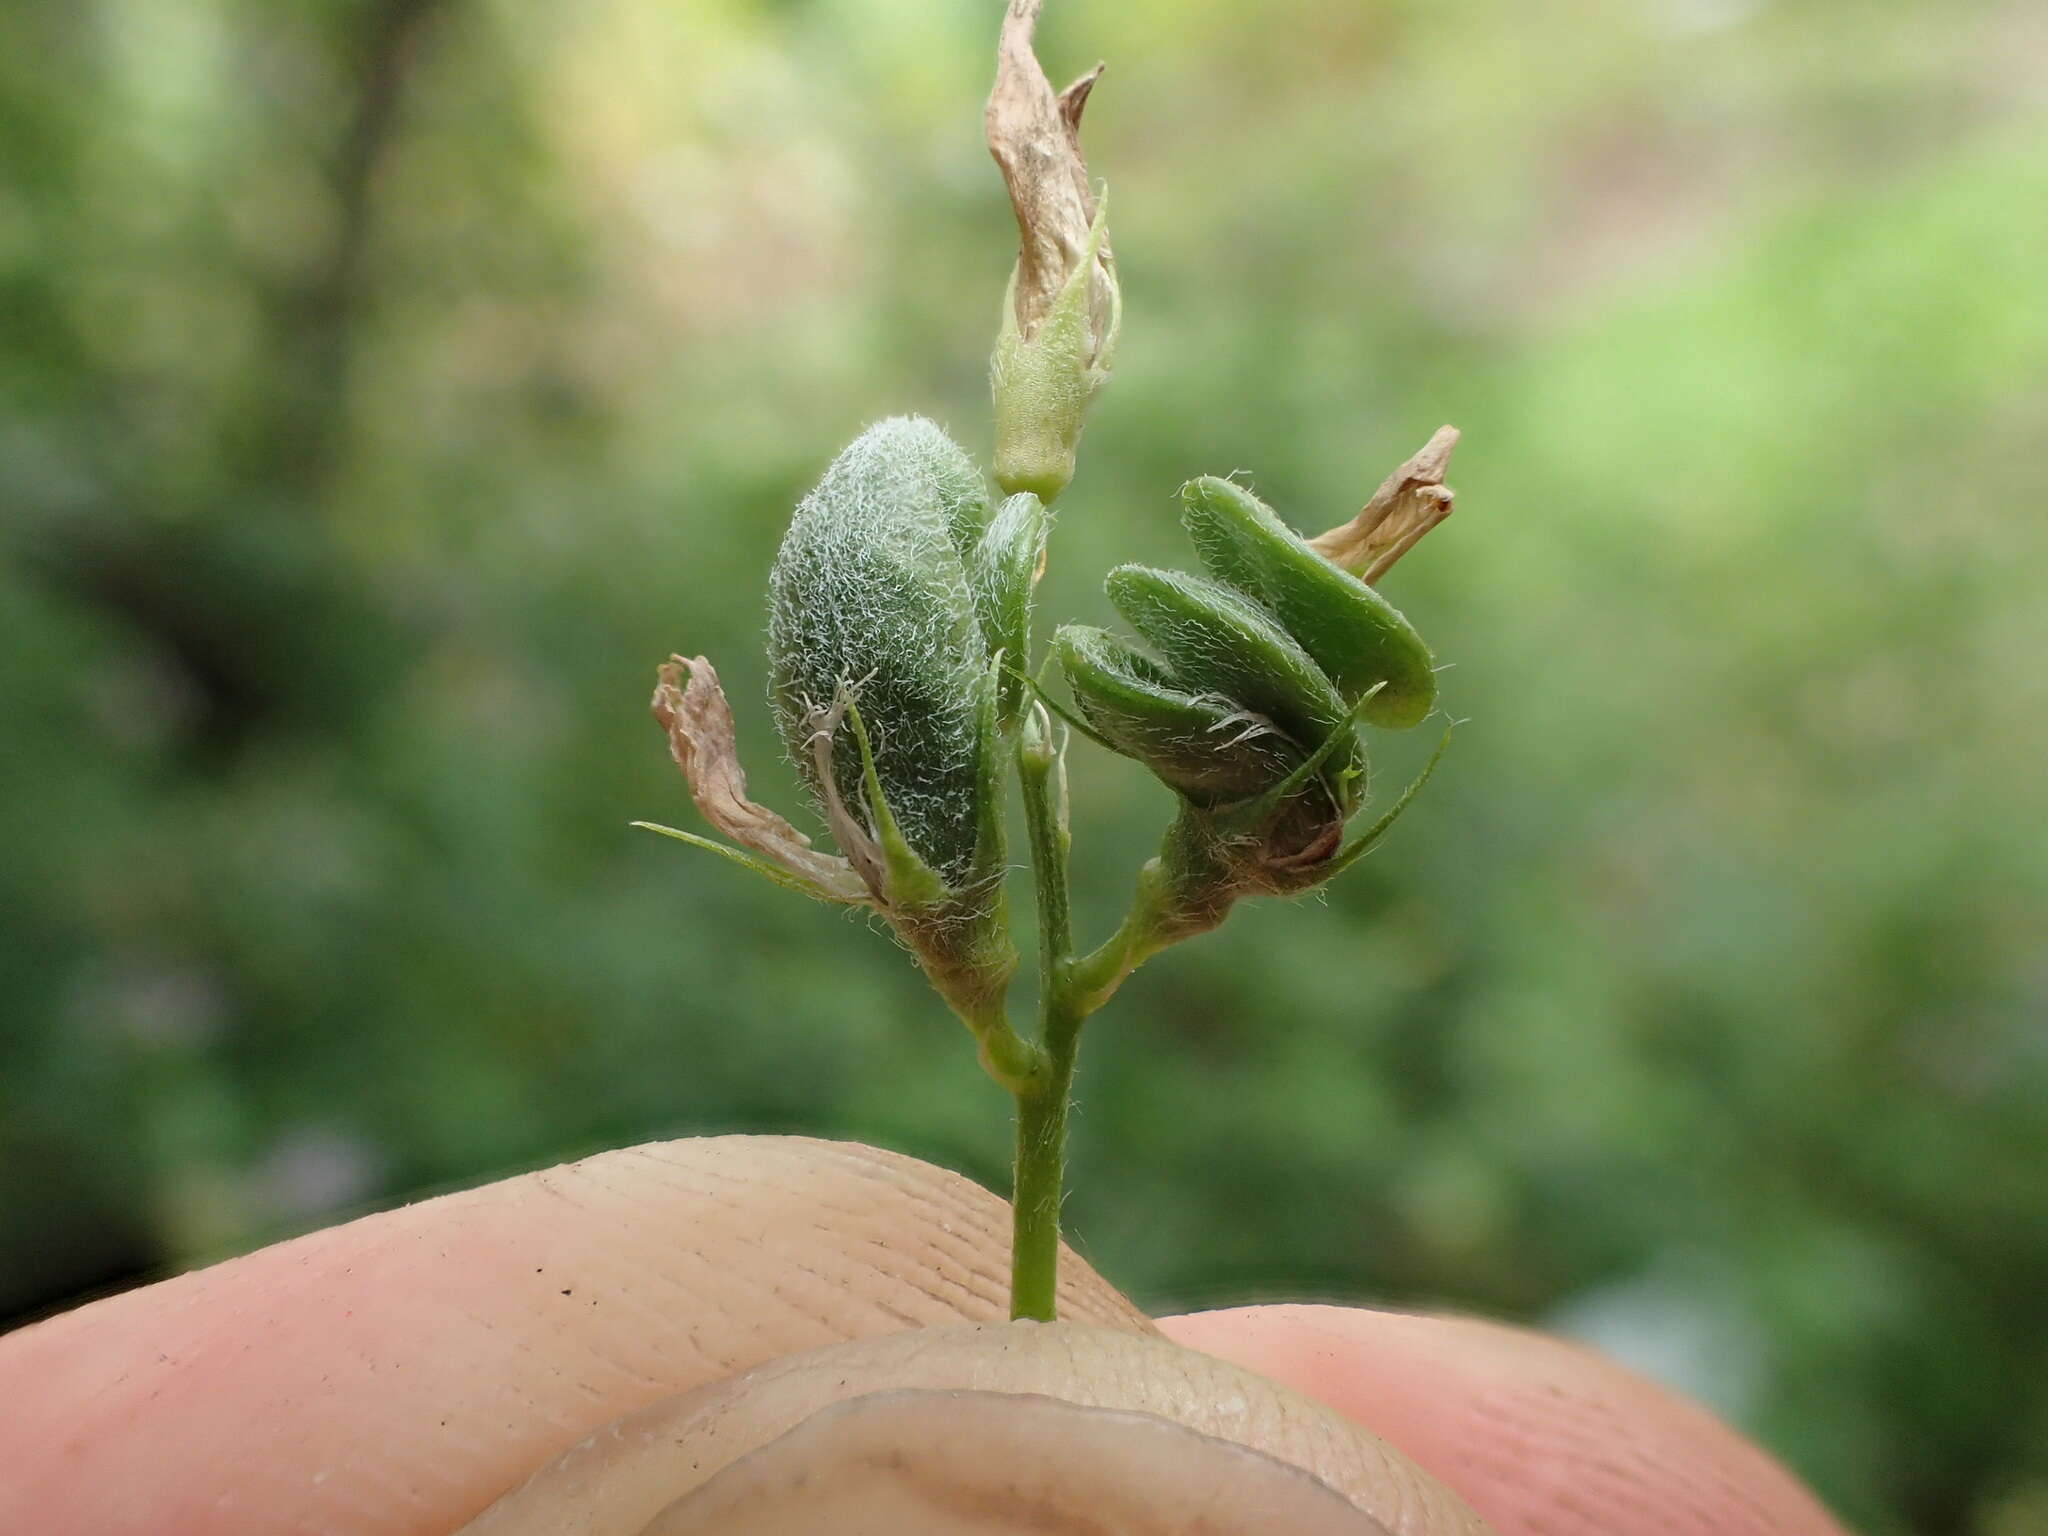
{"type": "Point", "coordinates": [1358, 638]}
{"type": "Point", "coordinates": [871, 597]}
{"type": "Point", "coordinates": [1203, 746]}
{"type": "Point", "coordinates": [1213, 641]}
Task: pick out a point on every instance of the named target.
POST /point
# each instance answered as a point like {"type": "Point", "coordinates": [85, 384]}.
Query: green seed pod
{"type": "Point", "coordinates": [1357, 636]}
{"type": "Point", "coordinates": [888, 696]}
{"type": "Point", "coordinates": [1002, 568]}
{"type": "Point", "coordinates": [1214, 641]}
{"type": "Point", "coordinates": [1203, 746]}
{"type": "Point", "coordinates": [870, 597]}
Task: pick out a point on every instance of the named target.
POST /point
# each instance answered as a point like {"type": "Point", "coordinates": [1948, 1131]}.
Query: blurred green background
{"type": "Point", "coordinates": [388, 385]}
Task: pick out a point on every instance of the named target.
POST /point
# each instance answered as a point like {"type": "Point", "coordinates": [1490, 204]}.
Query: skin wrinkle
{"type": "Point", "coordinates": [880, 1306]}
{"type": "Point", "coordinates": [969, 1259]}
{"type": "Point", "coordinates": [685, 1301]}
{"type": "Point", "coordinates": [1589, 1435]}
{"type": "Point", "coordinates": [858, 1167]}
{"type": "Point", "coordinates": [936, 1288]}
{"type": "Point", "coordinates": [804, 1307]}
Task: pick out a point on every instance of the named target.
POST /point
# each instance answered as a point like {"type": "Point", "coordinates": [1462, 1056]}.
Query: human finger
{"type": "Point", "coordinates": [1014, 1427]}
{"type": "Point", "coordinates": [1542, 1437]}
{"type": "Point", "coordinates": [391, 1376]}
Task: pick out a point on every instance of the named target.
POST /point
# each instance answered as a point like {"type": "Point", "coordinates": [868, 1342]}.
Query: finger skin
{"type": "Point", "coordinates": [921, 1463]}
{"type": "Point", "coordinates": [1541, 1437]}
{"type": "Point", "coordinates": [396, 1374]}
{"type": "Point", "coordinates": [392, 1376]}
{"type": "Point", "coordinates": [614, 1483]}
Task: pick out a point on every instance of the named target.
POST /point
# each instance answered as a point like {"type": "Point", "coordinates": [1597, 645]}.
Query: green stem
{"type": "Point", "coordinates": [1159, 918]}
{"type": "Point", "coordinates": [1137, 939]}
{"type": "Point", "coordinates": [1041, 1177]}
{"type": "Point", "coordinates": [1042, 1104]}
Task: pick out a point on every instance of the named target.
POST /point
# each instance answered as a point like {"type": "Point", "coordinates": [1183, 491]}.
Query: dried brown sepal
{"type": "Point", "coordinates": [1410, 502]}
{"type": "Point", "coordinates": [691, 706]}
{"type": "Point", "coordinates": [1035, 136]}
{"type": "Point", "coordinates": [863, 853]}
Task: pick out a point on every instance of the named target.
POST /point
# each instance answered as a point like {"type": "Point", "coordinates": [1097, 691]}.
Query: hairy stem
{"type": "Point", "coordinates": [1042, 1103]}
{"type": "Point", "coordinates": [1041, 1174]}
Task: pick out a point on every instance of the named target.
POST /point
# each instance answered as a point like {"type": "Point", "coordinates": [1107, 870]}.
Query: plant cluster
{"type": "Point", "coordinates": [906, 684]}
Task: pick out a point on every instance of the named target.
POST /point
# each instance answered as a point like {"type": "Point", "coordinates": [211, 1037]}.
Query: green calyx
{"type": "Point", "coordinates": [1043, 382]}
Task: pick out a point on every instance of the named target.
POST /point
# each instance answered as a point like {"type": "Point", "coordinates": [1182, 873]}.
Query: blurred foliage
{"type": "Point", "coordinates": [390, 384]}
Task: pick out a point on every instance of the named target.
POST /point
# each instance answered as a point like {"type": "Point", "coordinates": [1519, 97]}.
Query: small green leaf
{"type": "Point", "coordinates": [761, 867]}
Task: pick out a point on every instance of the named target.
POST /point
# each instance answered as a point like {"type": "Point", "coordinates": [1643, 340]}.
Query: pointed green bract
{"type": "Point", "coordinates": [1369, 839]}
{"type": "Point", "coordinates": [1204, 747]}
{"type": "Point", "coordinates": [909, 881]}
{"type": "Point", "coordinates": [1357, 636]}
{"type": "Point", "coordinates": [774, 874]}
{"type": "Point", "coordinates": [1002, 568]}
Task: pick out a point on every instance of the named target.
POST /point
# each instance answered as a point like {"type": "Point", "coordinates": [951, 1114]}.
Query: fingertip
{"type": "Point", "coordinates": [1540, 1435]}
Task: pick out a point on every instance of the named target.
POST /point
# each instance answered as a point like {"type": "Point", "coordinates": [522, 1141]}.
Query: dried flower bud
{"type": "Point", "coordinates": [690, 703]}
{"type": "Point", "coordinates": [1063, 308]}
{"type": "Point", "coordinates": [1410, 502]}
